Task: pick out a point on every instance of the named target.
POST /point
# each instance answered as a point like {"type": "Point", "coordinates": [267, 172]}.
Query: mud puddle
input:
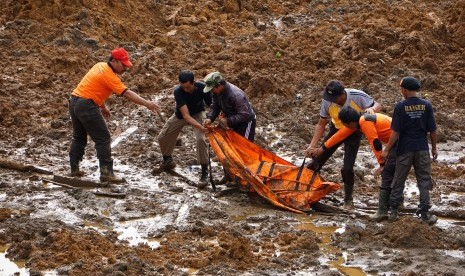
{"type": "Point", "coordinates": [7, 267]}
{"type": "Point", "coordinates": [333, 257]}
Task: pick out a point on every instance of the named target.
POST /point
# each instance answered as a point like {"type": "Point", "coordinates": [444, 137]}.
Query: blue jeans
{"type": "Point", "coordinates": [88, 120]}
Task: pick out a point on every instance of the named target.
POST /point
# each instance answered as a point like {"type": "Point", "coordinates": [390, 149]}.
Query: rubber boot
{"type": "Point", "coordinates": [348, 179]}
{"type": "Point", "coordinates": [225, 179]}
{"type": "Point", "coordinates": [74, 164]}
{"type": "Point", "coordinates": [204, 175]}
{"type": "Point", "coordinates": [203, 181]}
{"type": "Point", "coordinates": [348, 199]}
{"type": "Point", "coordinates": [393, 216]}
{"type": "Point", "coordinates": [428, 218]}
{"type": "Point", "coordinates": [106, 172]}
{"type": "Point", "coordinates": [382, 212]}
{"type": "Point", "coordinates": [167, 165]}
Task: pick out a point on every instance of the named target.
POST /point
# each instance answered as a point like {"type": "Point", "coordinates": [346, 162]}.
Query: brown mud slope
{"type": "Point", "coordinates": [281, 53]}
{"type": "Point", "coordinates": [47, 46]}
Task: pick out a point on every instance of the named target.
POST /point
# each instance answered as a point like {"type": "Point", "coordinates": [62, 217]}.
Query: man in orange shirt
{"type": "Point", "coordinates": [88, 112]}
{"type": "Point", "coordinates": [377, 129]}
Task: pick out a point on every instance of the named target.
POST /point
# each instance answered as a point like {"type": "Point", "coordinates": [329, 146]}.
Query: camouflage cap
{"type": "Point", "coordinates": [212, 80]}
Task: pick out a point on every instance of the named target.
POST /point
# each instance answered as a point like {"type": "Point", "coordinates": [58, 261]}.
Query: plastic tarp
{"type": "Point", "coordinates": [282, 183]}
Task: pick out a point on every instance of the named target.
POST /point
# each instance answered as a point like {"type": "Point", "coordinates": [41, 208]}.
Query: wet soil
{"type": "Point", "coordinates": [281, 54]}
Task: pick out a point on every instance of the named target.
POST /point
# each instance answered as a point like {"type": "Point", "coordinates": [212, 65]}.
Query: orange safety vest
{"type": "Point", "coordinates": [374, 127]}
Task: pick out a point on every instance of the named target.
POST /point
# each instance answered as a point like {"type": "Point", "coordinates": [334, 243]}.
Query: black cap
{"type": "Point", "coordinates": [410, 83]}
{"type": "Point", "coordinates": [333, 89]}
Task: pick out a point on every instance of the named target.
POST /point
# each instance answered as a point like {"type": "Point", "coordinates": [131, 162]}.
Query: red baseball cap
{"type": "Point", "coordinates": [121, 55]}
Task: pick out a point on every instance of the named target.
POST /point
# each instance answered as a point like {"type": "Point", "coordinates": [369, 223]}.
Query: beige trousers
{"type": "Point", "coordinates": [170, 132]}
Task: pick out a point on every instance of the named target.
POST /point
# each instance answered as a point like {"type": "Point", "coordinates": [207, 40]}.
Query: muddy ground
{"type": "Point", "coordinates": [281, 53]}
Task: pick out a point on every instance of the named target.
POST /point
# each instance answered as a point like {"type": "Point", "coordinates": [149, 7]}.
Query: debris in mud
{"type": "Point", "coordinates": [408, 232]}
{"type": "Point", "coordinates": [281, 53]}
{"type": "Point", "coordinates": [12, 165]}
{"type": "Point", "coordinates": [77, 182]}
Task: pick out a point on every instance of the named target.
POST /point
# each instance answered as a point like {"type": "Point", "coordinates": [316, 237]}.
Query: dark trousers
{"type": "Point", "coordinates": [351, 145]}
{"type": "Point", "coordinates": [387, 175]}
{"type": "Point", "coordinates": [247, 130]}
{"type": "Point", "coordinates": [421, 162]}
{"type": "Point", "coordinates": [88, 120]}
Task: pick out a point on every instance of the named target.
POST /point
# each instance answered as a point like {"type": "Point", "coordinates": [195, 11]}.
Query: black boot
{"type": "Point", "coordinates": [167, 165]}
{"type": "Point", "coordinates": [74, 164]}
{"type": "Point", "coordinates": [348, 179]}
{"type": "Point", "coordinates": [393, 216]}
{"type": "Point", "coordinates": [203, 181]}
{"type": "Point", "coordinates": [348, 199]}
{"type": "Point", "coordinates": [427, 217]}
{"type": "Point", "coordinates": [106, 172]}
{"type": "Point", "coordinates": [225, 179]}
{"type": "Point", "coordinates": [204, 175]}
{"type": "Point", "coordinates": [382, 213]}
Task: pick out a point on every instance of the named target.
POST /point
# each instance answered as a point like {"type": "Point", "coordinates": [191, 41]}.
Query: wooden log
{"type": "Point", "coordinates": [110, 194]}
{"type": "Point", "coordinates": [12, 165]}
{"type": "Point", "coordinates": [58, 184]}
{"type": "Point", "coordinates": [97, 193]}
{"type": "Point", "coordinates": [325, 208]}
{"type": "Point", "coordinates": [178, 173]}
{"type": "Point", "coordinates": [226, 191]}
{"type": "Point", "coordinates": [78, 182]}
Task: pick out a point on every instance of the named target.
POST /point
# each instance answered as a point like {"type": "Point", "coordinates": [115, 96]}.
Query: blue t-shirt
{"type": "Point", "coordinates": [413, 118]}
{"type": "Point", "coordinates": [195, 101]}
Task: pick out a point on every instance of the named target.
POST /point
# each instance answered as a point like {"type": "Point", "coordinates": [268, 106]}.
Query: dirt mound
{"type": "Point", "coordinates": [53, 245]}
{"type": "Point", "coordinates": [5, 214]}
{"type": "Point", "coordinates": [408, 233]}
{"type": "Point", "coordinates": [267, 49]}
{"type": "Point", "coordinates": [457, 22]}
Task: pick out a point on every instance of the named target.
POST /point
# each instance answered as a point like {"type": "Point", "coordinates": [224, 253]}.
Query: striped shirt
{"type": "Point", "coordinates": [356, 99]}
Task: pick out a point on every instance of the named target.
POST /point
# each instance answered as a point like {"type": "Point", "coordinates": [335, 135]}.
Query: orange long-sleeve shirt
{"type": "Point", "coordinates": [99, 83]}
{"type": "Point", "coordinates": [374, 127]}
